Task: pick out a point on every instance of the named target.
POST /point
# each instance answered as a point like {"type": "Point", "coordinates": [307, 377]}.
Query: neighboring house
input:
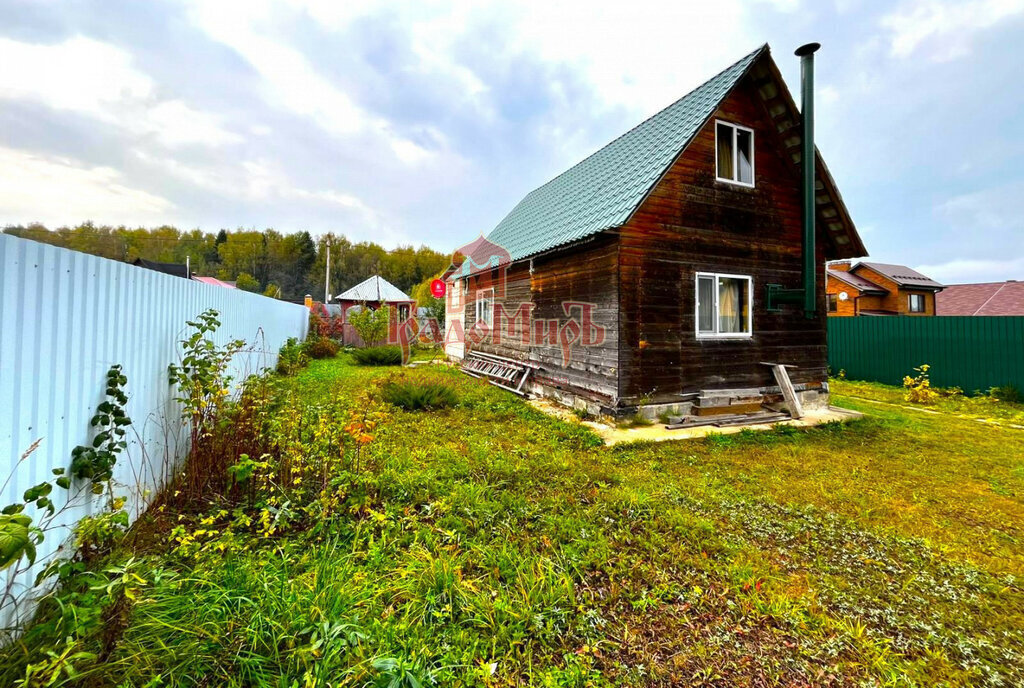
{"type": "Point", "coordinates": [213, 281]}
{"type": "Point", "coordinates": [489, 263]}
{"type": "Point", "coordinates": [176, 269]}
{"type": "Point", "coordinates": [375, 292]}
{"type": "Point", "coordinates": [674, 236]}
{"type": "Point", "coordinates": [878, 289]}
{"type": "Point", "coordinates": [987, 298]}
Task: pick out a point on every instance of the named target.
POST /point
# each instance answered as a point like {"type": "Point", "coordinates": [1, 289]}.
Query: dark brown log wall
{"type": "Point", "coordinates": [693, 223]}
{"type": "Point", "coordinates": [585, 273]}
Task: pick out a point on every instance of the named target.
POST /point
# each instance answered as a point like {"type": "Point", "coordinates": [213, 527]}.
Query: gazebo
{"type": "Point", "coordinates": [375, 292]}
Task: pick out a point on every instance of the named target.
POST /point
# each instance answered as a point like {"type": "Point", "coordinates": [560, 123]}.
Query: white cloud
{"type": "Point", "coordinates": [979, 270]}
{"type": "Point", "coordinates": [259, 182]}
{"type": "Point", "coordinates": [98, 80]}
{"type": "Point", "coordinates": [979, 225]}
{"type": "Point", "coordinates": [264, 183]}
{"type": "Point", "coordinates": [945, 28]}
{"type": "Point", "coordinates": [290, 80]}
{"type": "Point", "coordinates": [58, 191]}
{"type": "Point", "coordinates": [990, 210]}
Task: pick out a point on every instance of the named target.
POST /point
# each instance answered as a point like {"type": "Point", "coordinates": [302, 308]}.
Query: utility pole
{"type": "Point", "coordinates": [327, 278]}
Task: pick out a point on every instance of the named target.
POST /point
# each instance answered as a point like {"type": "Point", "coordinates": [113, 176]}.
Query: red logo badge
{"type": "Point", "coordinates": [437, 288]}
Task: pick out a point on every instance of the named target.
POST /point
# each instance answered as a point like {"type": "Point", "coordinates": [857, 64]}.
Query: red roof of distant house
{"type": "Point", "coordinates": [214, 281]}
{"type": "Point", "coordinates": [986, 298]}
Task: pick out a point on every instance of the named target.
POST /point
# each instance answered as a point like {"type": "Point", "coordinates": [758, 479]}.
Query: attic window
{"type": "Point", "coordinates": [734, 154]}
{"type": "Point", "coordinates": [723, 306]}
{"type": "Point", "coordinates": [916, 303]}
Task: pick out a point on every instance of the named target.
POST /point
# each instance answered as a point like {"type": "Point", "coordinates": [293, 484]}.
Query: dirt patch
{"type": "Point", "coordinates": [657, 432]}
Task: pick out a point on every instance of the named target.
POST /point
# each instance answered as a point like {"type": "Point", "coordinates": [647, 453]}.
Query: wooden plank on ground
{"type": "Point", "coordinates": [788, 393]}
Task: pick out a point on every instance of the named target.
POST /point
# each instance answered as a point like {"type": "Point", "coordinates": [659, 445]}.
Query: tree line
{"type": "Point", "coordinates": [286, 266]}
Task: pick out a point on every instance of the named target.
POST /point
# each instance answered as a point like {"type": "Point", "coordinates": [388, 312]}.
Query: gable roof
{"type": "Point", "coordinates": [214, 281]}
{"type": "Point", "coordinates": [988, 298]}
{"type": "Point", "coordinates": [374, 288]}
{"type": "Point", "coordinates": [176, 269]}
{"type": "Point", "coordinates": [476, 256]}
{"type": "Point", "coordinates": [901, 275]}
{"type": "Point", "coordinates": [865, 286]}
{"type": "Point", "coordinates": [603, 190]}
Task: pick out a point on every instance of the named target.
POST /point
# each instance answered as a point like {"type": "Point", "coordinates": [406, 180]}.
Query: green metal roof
{"type": "Point", "coordinates": [603, 190]}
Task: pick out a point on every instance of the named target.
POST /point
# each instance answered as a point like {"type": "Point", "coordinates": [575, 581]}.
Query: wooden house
{"type": "Point", "coordinates": [873, 289]}
{"type": "Point", "coordinates": [680, 251]}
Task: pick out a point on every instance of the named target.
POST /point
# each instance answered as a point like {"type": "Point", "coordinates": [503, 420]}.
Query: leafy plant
{"type": "Point", "coordinates": [1009, 393]}
{"type": "Point", "coordinates": [201, 378]}
{"type": "Point", "coordinates": [15, 539]}
{"type": "Point", "coordinates": [378, 356]}
{"type": "Point", "coordinates": [418, 395]}
{"type": "Point", "coordinates": [919, 388]}
{"type": "Point", "coordinates": [203, 388]}
{"type": "Point", "coordinates": [96, 462]}
{"type": "Point", "coordinates": [324, 324]}
{"type": "Point", "coordinates": [371, 324]}
{"type": "Point", "coordinates": [96, 536]}
{"type": "Point", "coordinates": [398, 673]}
{"type": "Point", "coordinates": [292, 357]}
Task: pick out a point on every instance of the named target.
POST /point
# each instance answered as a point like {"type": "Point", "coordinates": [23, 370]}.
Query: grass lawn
{"type": "Point", "coordinates": [488, 544]}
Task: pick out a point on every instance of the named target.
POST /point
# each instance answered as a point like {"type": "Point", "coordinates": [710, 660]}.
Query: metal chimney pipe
{"type": "Point", "coordinates": [806, 55]}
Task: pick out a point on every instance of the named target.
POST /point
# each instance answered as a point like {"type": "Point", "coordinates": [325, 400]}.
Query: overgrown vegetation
{"type": "Point", "coordinates": [292, 357]}
{"type": "Point", "coordinates": [419, 394]}
{"type": "Point", "coordinates": [24, 525]}
{"type": "Point", "coordinates": [378, 356]}
{"type": "Point", "coordinates": [489, 544]}
{"type": "Point", "coordinates": [1009, 393]}
{"type": "Point", "coordinates": [321, 347]}
{"type": "Point", "coordinates": [990, 406]}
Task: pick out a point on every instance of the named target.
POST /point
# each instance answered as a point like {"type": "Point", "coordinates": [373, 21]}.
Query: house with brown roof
{"type": "Point", "coordinates": [987, 298]}
{"type": "Point", "coordinates": [878, 289]}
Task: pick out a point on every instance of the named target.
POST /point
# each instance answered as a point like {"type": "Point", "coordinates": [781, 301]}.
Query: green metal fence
{"type": "Point", "coordinates": [973, 353]}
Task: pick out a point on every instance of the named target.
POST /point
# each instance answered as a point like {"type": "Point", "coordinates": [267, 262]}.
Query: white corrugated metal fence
{"type": "Point", "coordinates": [65, 318]}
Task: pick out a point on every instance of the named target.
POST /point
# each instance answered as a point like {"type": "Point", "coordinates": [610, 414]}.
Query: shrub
{"type": "Point", "coordinates": [372, 325]}
{"type": "Point", "coordinates": [419, 395]}
{"type": "Point", "coordinates": [1010, 393]}
{"type": "Point", "coordinates": [291, 357]}
{"type": "Point", "coordinates": [378, 356]}
{"type": "Point", "coordinates": [322, 348]}
{"type": "Point", "coordinates": [919, 388]}
{"type": "Point", "coordinates": [323, 324]}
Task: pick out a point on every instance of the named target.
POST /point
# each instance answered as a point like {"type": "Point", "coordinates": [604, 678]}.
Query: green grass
{"type": "Point", "coordinates": [489, 544]}
{"type": "Point", "coordinates": [978, 406]}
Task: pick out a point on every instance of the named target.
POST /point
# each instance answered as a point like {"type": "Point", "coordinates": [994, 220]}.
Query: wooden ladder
{"type": "Point", "coordinates": [506, 373]}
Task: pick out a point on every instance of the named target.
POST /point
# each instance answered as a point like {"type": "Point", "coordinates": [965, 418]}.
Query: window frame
{"type": "Point", "coordinates": [480, 299]}
{"type": "Point", "coordinates": [832, 303]}
{"type": "Point", "coordinates": [455, 295]}
{"type": "Point", "coordinates": [736, 155]}
{"type": "Point", "coordinates": [910, 303]}
{"type": "Point", "coordinates": [696, 307]}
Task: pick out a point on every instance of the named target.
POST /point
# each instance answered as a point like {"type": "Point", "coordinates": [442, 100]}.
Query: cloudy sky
{"type": "Point", "coordinates": [425, 122]}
